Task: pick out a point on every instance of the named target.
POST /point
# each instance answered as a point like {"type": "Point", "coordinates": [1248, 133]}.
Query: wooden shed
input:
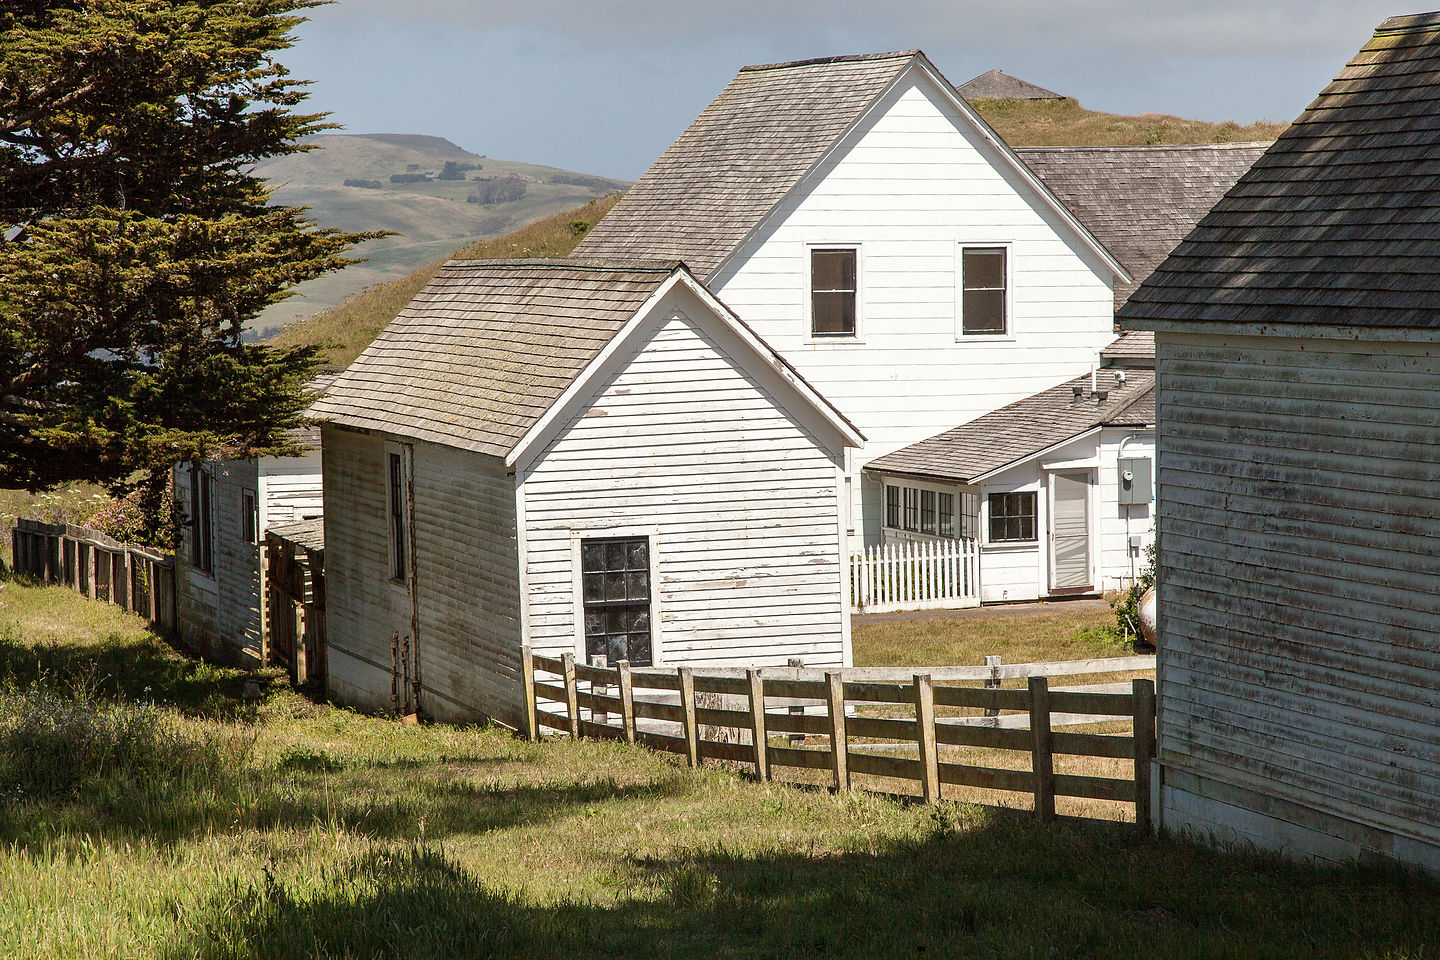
{"type": "Point", "coordinates": [589, 457]}
{"type": "Point", "coordinates": [1298, 370]}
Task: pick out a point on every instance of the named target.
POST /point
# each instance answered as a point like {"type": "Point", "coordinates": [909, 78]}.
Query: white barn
{"type": "Point", "coordinates": [865, 221]}
{"type": "Point", "coordinates": [586, 457]}
{"type": "Point", "coordinates": [1297, 336]}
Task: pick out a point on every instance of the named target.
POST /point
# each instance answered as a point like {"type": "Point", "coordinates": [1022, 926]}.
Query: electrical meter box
{"type": "Point", "coordinates": [1134, 480]}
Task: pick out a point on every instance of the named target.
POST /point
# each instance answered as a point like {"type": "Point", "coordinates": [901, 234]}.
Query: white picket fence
{"type": "Point", "coordinates": [919, 575]}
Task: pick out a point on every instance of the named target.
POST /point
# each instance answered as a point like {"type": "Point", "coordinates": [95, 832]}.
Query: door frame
{"type": "Point", "coordinates": [1090, 475]}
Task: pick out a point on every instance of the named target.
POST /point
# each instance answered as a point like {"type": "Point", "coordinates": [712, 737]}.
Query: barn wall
{"type": "Point", "coordinates": [740, 499]}
{"type": "Point", "coordinates": [1299, 657]}
{"type": "Point", "coordinates": [910, 186]}
{"type": "Point", "coordinates": [219, 613]}
{"type": "Point", "coordinates": [465, 613]}
{"type": "Point", "coordinates": [290, 489]}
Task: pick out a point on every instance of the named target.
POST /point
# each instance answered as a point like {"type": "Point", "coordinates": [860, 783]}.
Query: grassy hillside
{"type": "Point", "coordinates": [345, 330]}
{"type": "Point", "coordinates": [1064, 123]}
{"type": "Point", "coordinates": [347, 183]}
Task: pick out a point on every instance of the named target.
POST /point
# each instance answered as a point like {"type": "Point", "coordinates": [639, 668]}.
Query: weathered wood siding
{"type": "Point", "coordinates": [219, 612]}
{"type": "Point", "coordinates": [465, 619]}
{"type": "Point", "coordinates": [290, 489]}
{"type": "Point", "coordinates": [909, 187]}
{"type": "Point", "coordinates": [740, 500]}
{"type": "Point", "coordinates": [1300, 616]}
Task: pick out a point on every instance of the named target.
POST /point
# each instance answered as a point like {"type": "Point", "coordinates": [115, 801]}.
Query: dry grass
{"type": "Point", "coordinates": [1028, 633]}
{"type": "Point", "coordinates": [1044, 123]}
{"type": "Point", "coordinates": [344, 331]}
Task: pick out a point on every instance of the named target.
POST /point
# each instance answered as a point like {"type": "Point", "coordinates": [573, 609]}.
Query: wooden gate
{"type": "Point", "coordinates": [295, 602]}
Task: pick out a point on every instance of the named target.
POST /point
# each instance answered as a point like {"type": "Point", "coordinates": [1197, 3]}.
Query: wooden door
{"type": "Point", "coordinates": [1070, 533]}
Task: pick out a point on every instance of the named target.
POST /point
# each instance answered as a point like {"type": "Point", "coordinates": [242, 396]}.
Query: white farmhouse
{"type": "Point", "coordinates": [1297, 335]}
{"type": "Point", "coordinates": [588, 457]}
{"type": "Point", "coordinates": [859, 216]}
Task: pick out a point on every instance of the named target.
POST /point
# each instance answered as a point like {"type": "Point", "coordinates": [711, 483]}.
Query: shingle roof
{"type": "Point", "coordinates": [309, 534]}
{"type": "Point", "coordinates": [487, 347]}
{"type": "Point", "coordinates": [745, 152]}
{"type": "Point", "coordinates": [996, 83]}
{"type": "Point", "coordinates": [1338, 223]}
{"type": "Point", "coordinates": [1027, 427]}
{"type": "Point", "coordinates": [1130, 346]}
{"type": "Point", "coordinates": [1140, 201]}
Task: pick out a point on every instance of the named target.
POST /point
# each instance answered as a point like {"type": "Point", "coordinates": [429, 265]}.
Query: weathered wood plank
{"type": "Point", "coordinates": [1040, 758]}
{"type": "Point", "coordinates": [1095, 788]}
{"type": "Point", "coordinates": [925, 738]}
{"type": "Point", "coordinates": [990, 778]}
{"type": "Point", "coordinates": [798, 757]}
{"type": "Point", "coordinates": [839, 748]}
{"type": "Point", "coordinates": [900, 767]}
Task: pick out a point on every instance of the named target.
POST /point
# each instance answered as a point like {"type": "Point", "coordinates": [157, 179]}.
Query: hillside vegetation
{"type": "Point", "coordinates": [1064, 123]}
{"type": "Point", "coordinates": [434, 194]}
{"type": "Point", "coordinates": [345, 330]}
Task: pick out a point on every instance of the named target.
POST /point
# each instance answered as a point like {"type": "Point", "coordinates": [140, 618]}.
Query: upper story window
{"type": "Point", "coordinates": [983, 306]}
{"type": "Point", "coordinates": [833, 291]}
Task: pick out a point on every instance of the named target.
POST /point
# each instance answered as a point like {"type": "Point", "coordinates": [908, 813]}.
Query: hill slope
{"type": "Point", "coordinates": [1064, 123]}
{"type": "Point", "coordinates": [421, 187]}
{"type": "Point", "coordinates": [345, 330]}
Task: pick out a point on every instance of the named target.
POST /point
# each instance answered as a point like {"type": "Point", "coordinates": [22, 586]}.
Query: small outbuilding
{"type": "Point", "coordinates": [583, 456]}
{"type": "Point", "coordinates": [999, 85]}
{"type": "Point", "coordinates": [1297, 335]}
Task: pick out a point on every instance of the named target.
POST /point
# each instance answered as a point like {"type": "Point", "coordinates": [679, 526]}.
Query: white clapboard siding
{"type": "Point", "coordinates": [465, 619]}
{"type": "Point", "coordinates": [290, 489]}
{"type": "Point", "coordinates": [909, 187]}
{"type": "Point", "coordinates": [1298, 653]}
{"type": "Point", "coordinates": [219, 611]}
{"type": "Point", "coordinates": [740, 501]}
{"type": "Point", "coordinates": [915, 575]}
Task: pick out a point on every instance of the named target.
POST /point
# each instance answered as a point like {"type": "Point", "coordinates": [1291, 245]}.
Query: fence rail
{"type": "Point", "coordinates": [918, 575]}
{"type": "Point", "coordinates": [697, 722]}
{"type": "Point", "coordinates": [137, 578]}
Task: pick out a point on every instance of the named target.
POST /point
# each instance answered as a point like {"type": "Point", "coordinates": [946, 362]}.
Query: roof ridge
{"type": "Point", "coordinates": [1139, 395]}
{"type": "Point", "coordinates": [601, 264]}
{"type": "Point", "coordinates": [1143, 148]}
{"type": "Point", "coordinates": [1410, 23]}
{"type": "Point", "coordinates": [844, 58]}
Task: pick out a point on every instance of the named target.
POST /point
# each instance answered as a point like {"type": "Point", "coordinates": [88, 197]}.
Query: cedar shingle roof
{"type": "Point", "coordinates": [1338, 223]}
{"type": "Point", "coordinates": [1129, 347]}
{"type": "Point", "coordinates": [487, 347]}
{"type": "Point", "coordinates": [1026, 427]}
{"type": "Point", "coordinates": [745, 152]}
{"type": "Point", "coordinates": [1141, 201]}
{"type": "Point", "coordinates": [997, 83]}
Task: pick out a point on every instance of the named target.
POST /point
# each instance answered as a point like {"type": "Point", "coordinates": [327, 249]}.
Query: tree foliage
{"type": "Point", "coordinates": [136, 242]}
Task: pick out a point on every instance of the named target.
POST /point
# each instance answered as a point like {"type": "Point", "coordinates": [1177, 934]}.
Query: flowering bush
{"type": "Point", "coordinates": [136, 517]}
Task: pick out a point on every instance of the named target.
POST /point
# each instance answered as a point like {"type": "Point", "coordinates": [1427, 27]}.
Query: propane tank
{"type": "Point", "coordinates": [1147, 616]}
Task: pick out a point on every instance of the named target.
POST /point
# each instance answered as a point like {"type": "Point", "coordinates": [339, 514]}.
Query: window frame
{"type": "Point", "coordinates": [398, 519]}
{"type": "Point", "coordinates": [962, 525]}
{"type": "Point", "coordinates": [577, 538]}
{"type": "Point", "coordinates": [202, 520]}
{"type": "Point", "coordinates": [892, 506]}
{"type": "Point", "coordinates": [808, 273]}
{"type": "Point", "coordinates": [1033, 516]}
{"type": "Point", "coordinates": [249, 517]}
{"type": "Point", "coordinates": [1009, 291]}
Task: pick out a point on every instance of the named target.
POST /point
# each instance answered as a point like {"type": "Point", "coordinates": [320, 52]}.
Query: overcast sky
{"type": "Point", "coordinates": [603, 86]}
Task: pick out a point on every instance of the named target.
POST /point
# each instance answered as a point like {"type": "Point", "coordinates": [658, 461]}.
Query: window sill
{"type": "Point", "coordinates": [1010, 545]}
{"type": "Point", "coordinates": [814, 341]}
{"type": "Point", "coordinates": [985, 338]}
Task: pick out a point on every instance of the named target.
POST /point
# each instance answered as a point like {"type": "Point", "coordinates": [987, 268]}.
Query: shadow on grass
{"type": "Point", "coordinates": [1001, 886]}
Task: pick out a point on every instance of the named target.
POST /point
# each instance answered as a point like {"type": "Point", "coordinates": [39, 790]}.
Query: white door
{"type": "Point", "coordinates": [1070, 532]}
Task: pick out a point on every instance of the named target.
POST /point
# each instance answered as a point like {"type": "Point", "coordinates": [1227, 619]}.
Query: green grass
{"type": "Point", "coordinates": [311, 831]}
{"type": "Point", "coordinates": [1045, 123]}
{"type": "Point", "coordinates": [1030, 633]}
{"type": "Point", "coordinates": [344, 331]}
{"type": "Point", "coordinates": [71, 503]}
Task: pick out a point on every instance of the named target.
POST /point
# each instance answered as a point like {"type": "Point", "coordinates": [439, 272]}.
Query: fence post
{"type": "Point", "coordinates": [687, 712]}
{"type": "Point", "coordinates": [993, 682]}
{"type": "Point", "coordinates": [796, 710]}
{"type": "Point", "coordinates": [527, 682]}
{"type": "Point", "coordinates": [1042, 762]}
{"type": "Point", "coordinates": [572, 703]}
{"type": "Point", "coordinates": [757, 724]}
{"type": "Point", "coordinates": [1144, 729]}
{"type": "Point", "coordinates": [839, 746]}
{"type": "Point", "coordinates": [627, 699]}
{"type": "Point", "coordinates": [925, 737]}
{"type": "Point", "coordinates": [599, 661]}
{"type": "Point", "coordinates": [129, 603]}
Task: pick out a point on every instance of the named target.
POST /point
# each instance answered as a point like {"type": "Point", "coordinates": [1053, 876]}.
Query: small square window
{"type": "Point", "coordinates": [832, 292]}
{"type": "Point", "coordinates": [983, 290]}
{"type": "Point", "coordinates": [1012, 517]}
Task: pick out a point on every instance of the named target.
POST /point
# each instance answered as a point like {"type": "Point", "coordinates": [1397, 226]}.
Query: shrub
{"type": "Point", "coordinates": [366, 184]}
{"type": "Point", "coordinates": [1127, 604]}
{"type": "Point", "coordinates": [128, 520]}
{"type": "Point", "coordinates": [451, 171]}
{"type": "Point", "coordinates": [498, 190]}
{"type": "Point", "coordinates": [408, 178]}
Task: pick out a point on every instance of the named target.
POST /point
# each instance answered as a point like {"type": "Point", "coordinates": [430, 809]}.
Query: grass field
{"type": "Point", "coordinates": [1020, 633]}
{"type": "Point", "coordinates": [1047, 123]}
{"type": "Point", "coordinates": [148, 810]}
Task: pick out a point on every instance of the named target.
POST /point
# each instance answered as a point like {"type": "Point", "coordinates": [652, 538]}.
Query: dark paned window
{"type": "Point", "coordinates": [202, 533]}
{"type": "Point", "coordinates": [947, 514]}
{"type": "Point", "coordinates": [832, 293]}
{"type": "Point", "coordinates": [615, 595]}
{"type": "Point", "coordinates": [982, 308]}
{"type": "Point", "coordinates": [969, 515]}
{"type": "Point", "coordinates": [912, 508]}
{"type": "Point", "coordinates": [927, 511]}
{"type": "Point", "coordinates": [398, 565]}
{"type": "Point", "coordinates": [249, 516]}
{"type": "Point", "coordinates": [892, 505]}
{"type": "Point", "coordinates": [1012, 517]}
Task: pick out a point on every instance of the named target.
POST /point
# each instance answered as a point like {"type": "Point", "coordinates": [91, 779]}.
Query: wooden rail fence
{"type": "Point", "coordinates": [677, 722]}
{"type": "Point", "coordinates": [137, 578]}
{"type": "Point", "coordinates": [923, 575]}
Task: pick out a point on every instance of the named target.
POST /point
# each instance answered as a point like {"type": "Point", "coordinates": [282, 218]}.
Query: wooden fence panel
{"type": "Point", "coordinates": [137, 579]}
